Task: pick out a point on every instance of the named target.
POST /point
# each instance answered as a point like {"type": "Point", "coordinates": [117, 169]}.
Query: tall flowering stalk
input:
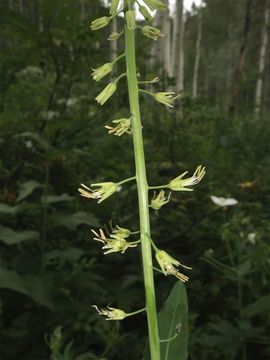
{"type": "Point", "coordinates": [115, 239]}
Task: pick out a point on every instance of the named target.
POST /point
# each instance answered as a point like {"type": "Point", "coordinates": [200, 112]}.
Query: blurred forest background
{"type": "Point", "coordinates": [52, 138]}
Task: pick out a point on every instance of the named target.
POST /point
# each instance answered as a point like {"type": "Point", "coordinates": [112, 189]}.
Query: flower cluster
{"type": "Point", "coordinates": [114, 242]}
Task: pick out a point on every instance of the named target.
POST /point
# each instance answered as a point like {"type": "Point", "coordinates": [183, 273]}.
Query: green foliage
{"type": "Point", "coordinates": [51, 271]}
{"type": "Point", "coordinates": [173, 319]}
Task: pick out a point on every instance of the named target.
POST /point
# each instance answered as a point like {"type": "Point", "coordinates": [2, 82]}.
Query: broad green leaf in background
{"type": "Point", "coordinates": [27, 188]}
{"type": "Point", "coordinates": [9, 279]}
{"type": "Point", "coordinates": [11, 237]}
{"type": "Point", "coordinates": [173, 316]}
{"type": "Point", "coordinates": [7, 209]}
{"type": "Point", "coordinates": [259, 306]}
{"type": "Point", "coordinates": [51, 199]}
{"type": "Point", "coordinates": [37, 138]}
{"type": "Point", "coordinates": [38, 291]}
{"type": "Point", "coordinates": [70, 255]}
{"type": "Point", "coordinates": [78, 218]}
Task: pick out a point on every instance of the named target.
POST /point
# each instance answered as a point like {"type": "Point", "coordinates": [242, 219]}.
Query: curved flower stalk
{"type": "Point", "coordinates": [115, 314]}
{"type": "Point", "coordinates": [115, 240]}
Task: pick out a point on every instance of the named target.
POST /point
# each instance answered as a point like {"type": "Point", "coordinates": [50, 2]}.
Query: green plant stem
{"type": "Point", "coordinates": [45, 212]}
{"type": "Point", "coordinates": [142, 195]}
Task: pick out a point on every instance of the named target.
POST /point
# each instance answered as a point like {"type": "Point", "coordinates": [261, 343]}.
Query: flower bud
{"type": "Point", "coordinates": [145, 13]}
{"type": "Point", "coordinates": [151, 32]}
{"type": "Point", "coordinates": [130, 19]}
{"type": "Point", "coordinates": [106, 93]}
{"type": "Point", "coordinates": [114, 6]}
{"type": "Point", "coordinates": [121, 232]}
{"type": "Point", "coordinates": [100, 23]}
{"type": "Point", "coordinates": [114, 36]}
{"type": "Point", "coordinates": [155, 4]}
{"type": "Point", "coordinates": [102, 71]}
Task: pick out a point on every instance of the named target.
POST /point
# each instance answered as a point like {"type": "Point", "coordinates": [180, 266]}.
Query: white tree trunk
{"type": "Point", "coordinates": [262, 61]}
{"type": "Point", "coordinates": [178, 46]}
{"type": "Point", "coordinates": [197, 56]}
{"type": "Point", "coordinates": [166, 43]}
{"type": "Point", "coordinates": [156, 50]}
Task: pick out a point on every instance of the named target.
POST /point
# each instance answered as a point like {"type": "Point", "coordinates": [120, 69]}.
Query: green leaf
{"type": "Point", "coordinates": [41, 141]}
{"type": "Point", "coordinates": [173, 315]}
{"type": "Point", "coordinates": [27, 188]}
{"type": "Point", "coordinates": [70, 255]}
{"type": "Point", "coordinates": [37, 290]}
{"type": "Point", "coordinates": [11, 237]}
{"type": "Point", "coordinates": [51, 199]}
{"type": "Point", "coordinates": [7, 209]}
{"type": "Point", "coordinates": [9, 279]}
{"type": "Point", "coordinates": [259, 306]}
{"type": "Point", "coordinates": [78, 218]}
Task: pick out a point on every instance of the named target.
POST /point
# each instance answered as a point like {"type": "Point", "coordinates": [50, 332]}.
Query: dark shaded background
{"type": "Point", "coordinates": [52, 138]}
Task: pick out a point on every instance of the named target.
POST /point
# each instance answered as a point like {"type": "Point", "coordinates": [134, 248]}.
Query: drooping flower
{"type": "Point", "coordinates": [105, 190]}
{"type": "Point", "coordinates": [102, 71]}
{"type": "Point", "coordinates": [151, 32]}
{"type": "Point", "coordinates": [100, 23]}
{"type": "Point", "coordinates": [106, 93]}
{"type": "Point", "coordinates": [223, 202]}
{"type": "Point", "coordinates": [159, 200]}
{"type": "Point", "coordinates": [166, 98]}
{"type": "Point", "coordinates": [180, 184]}
{"type": "Point", "coordinates": [167, 262]}
{"type": "Point", "coordinates": [111, 313]}
{"type": "Point", "coordinates": [123, 126]}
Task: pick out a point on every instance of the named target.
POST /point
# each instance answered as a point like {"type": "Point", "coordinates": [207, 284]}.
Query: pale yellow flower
{"type": "Point", "coordinates": [180, 184]}
{"type": "Point", "coordinates": [159, 200]}
{"type": "Point", "coordinates": [111, 313]}
{"type": "Point", "coordinates": [167, 262]}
